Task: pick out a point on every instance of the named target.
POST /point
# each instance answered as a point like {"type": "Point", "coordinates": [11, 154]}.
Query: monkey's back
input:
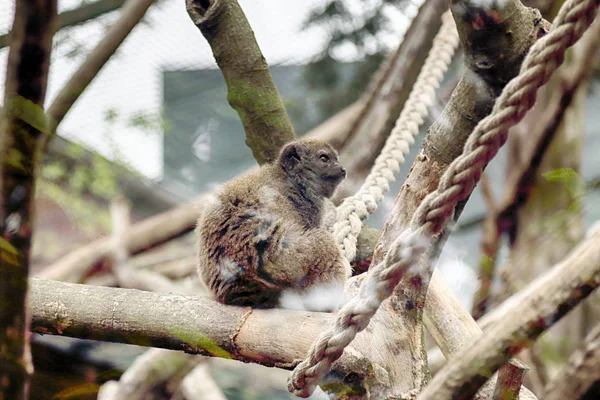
{"type": "Point", "coordinates": [238, 233]}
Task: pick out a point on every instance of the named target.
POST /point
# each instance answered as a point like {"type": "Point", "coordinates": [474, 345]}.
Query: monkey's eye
{"type": "Point", "coordinates": [324, 158]}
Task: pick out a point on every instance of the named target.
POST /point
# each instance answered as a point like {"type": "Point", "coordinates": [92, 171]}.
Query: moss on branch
{"type": "Point", "coordinates": [250, 87]}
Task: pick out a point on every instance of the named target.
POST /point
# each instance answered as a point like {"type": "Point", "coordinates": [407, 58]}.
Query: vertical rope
{"type": "Point", "coordinates": [358, 207]}
{"type": "Point", "coordinates": [544, 57]}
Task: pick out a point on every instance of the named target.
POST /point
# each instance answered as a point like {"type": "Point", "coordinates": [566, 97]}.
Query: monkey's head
{"type": "Point", "coordinates": [312, 165]}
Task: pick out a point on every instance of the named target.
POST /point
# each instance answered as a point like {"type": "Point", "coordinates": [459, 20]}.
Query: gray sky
{"type": "Point", "coordinates": [131, 82]}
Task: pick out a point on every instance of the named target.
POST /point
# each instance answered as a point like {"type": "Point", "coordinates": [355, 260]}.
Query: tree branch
{"type": "Point", "coordinates": [156, 367]}
{"type": "Point", "coordinates": [199, 325]}
{"type": "Point", "coordinates": [490, 243]}
{"type": "Point", "coordinates": [141, 236]}
{"type": "Point", "coordinates": [250, 87]}
{"type": "Point", "coordinates": [22, 122]}
{"type": "Point", "coordinates": [131, 13]}
{"type": "Point", "coordinates": [490, 62]}
{"type": "Point", "coordinates": [519, 321]}
{"type": "Point", "coordinates": [453, 329]}
{"type": "Point", "coordinates": [510, 380]}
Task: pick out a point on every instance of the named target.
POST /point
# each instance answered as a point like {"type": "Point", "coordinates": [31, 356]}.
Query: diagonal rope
{"type": "Point", "coordinates": [358, 207]}
{"type": "Point", "coordinates": [544, 57]}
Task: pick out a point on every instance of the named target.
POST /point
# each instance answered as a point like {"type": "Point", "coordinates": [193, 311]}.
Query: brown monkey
{"type": "Point", "coordinates": [263, 234]}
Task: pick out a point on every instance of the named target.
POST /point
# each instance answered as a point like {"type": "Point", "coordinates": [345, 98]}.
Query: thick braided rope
{"type": "Point", "coordinates": [358, 207]}
{"type": "Point", "coordinates": [543, 59]}
{"type": "Point", "coordinates": [355, 315]}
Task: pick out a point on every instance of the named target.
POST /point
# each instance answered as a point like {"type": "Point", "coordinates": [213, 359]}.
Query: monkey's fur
{"type": "Point", "coordinates": [263, 234]}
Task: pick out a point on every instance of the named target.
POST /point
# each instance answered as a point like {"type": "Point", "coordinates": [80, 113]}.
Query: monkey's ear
{"type": "Point", "coordinates": [290, 155]}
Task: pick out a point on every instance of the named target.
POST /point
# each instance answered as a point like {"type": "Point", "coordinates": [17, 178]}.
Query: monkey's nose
{"type": "Point", "coordinates": [343, 170]}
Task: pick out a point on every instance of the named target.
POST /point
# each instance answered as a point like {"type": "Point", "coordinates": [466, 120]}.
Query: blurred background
{"type": "Point", "coordinates": [155, 127]}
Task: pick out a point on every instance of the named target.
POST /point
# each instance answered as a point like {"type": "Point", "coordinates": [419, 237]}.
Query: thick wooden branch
{"type": "Point", "coordinates": [199, 325]}
{"type": "Point", "coordinates": [78, 15]}
{"type": "Point", "coordinates": [22, 121]}
{"type": "Point", "coordinates": [490, 62]}
{"type": "Point", "coordinates": [520, 320]}
{"type": "Point", "coordinates": [453, 328]}
{"type": "Point", "coordinates": [250, 87]}
{"type": "Point", "coordinates": [131, 13]}
{"type": "Point", "coordinates": [154, 368]}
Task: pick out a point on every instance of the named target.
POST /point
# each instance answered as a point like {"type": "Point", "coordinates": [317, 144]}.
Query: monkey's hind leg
{"type": "Point", "coordinates": [316, 269]}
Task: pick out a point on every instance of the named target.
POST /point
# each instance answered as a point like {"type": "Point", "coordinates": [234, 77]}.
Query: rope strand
{"type": "Point", "coordinates": [358, 207]}
{"type": "Point", "coordinates": [544, 57]}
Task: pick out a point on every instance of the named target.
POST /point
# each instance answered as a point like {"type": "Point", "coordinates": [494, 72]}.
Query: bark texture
{"type": "Point", "coordinates": [495, 43]}
{"type": "Point", "coordinates": [21, 126]}
{"type": "Point", "coordinates": [250, 87]}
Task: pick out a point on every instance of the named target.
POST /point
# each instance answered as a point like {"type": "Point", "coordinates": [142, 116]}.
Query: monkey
{"type": "Point", "coordinates": [263, 235]}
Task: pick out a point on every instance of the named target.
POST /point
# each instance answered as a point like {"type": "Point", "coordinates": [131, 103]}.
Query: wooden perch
{"type": "Point", "coordinates": [519, 321]}
{"type": "Point", "coordinates": [250, 87]}
{"type": "Point", "coordinates": [22, 124]}
{"type": "Point", "coordinates": [199, 325]}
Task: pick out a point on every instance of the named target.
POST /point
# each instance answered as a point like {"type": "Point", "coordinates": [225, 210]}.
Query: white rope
{"type": "Point", "coordinates": [358, 207]}
{"type": "Point", "coordinates": [544, 57]}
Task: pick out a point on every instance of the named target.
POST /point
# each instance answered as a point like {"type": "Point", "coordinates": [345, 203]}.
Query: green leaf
{"type": "Point", "coordinates": [30, 113]}
{"type": "Point", "coordinates": [569, 177]}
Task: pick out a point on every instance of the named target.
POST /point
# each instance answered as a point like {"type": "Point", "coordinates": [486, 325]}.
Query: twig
{"type": "Point", "coordinates": [131, 13]}
{"type": "Point", "coordinates": [510, 379]}
{"type": "Point", "coordinates": [142, 236]}
{"type": "Point", "coordinates": [127, 276]}
{"type": "Point", "coordinates": [490, 243]}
